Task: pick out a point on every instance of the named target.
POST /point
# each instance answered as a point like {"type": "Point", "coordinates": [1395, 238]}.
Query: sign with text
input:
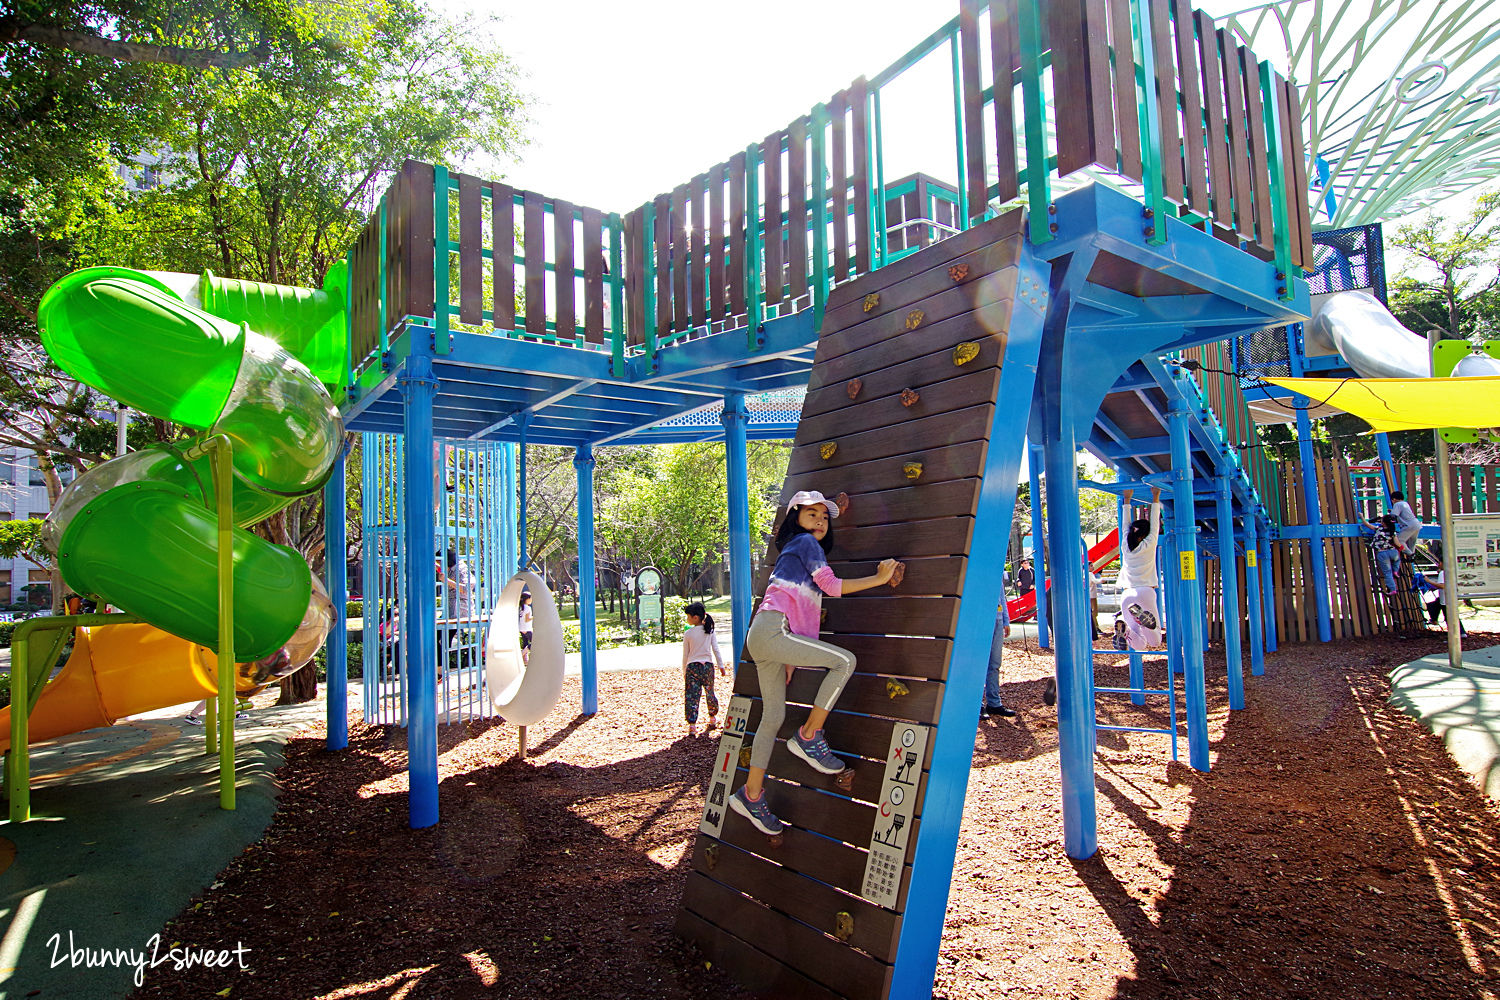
{"type": "Point", "coordinates": [721, 782]}
{"type": "Point", "coordinates": [893, 821]}
{"type": "Point", "coordinates": [1476, 554]}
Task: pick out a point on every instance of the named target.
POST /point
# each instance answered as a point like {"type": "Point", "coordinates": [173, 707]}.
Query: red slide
{"type": "Point", "coordinates": [1023, 608]}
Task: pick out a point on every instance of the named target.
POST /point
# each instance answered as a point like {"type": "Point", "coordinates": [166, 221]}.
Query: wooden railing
{"type": "Point", "coordinates": [1148, 93]}
{"type": "Point", "coordinates": [1475, 490]}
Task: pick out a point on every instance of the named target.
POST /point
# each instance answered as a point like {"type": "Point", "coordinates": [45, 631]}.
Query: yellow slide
{"type": "Point", "coordinates": [115, 671]}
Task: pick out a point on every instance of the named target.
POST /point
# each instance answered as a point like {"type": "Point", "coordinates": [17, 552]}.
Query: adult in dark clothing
{"type": "Point", "coordinates": [1025, 578]}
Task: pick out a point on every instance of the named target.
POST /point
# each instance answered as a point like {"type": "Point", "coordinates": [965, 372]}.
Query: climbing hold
{"type": "Point", "coordinates": [914, 319]}
{"type": "Point", "coordinates": [744, 756]}
{"type": "Point", "coordinates": [871, 301]}
{"type": "Point", "coordinates": [958, 272]}
{"type": "Point", "coordinates": [843, 925]}
{"type": "Point", "coordinates": [711, 856]}
{"type": "Point", "coordinates": [899, 575]}
{"type": "Point", "coordinates": [844, 780]}
{"type": "Point", "coordinates": [827, 448]}
{"type": "Point", "coordinates": [854, 386]}
{"type": "Point", "coordinates": [909, 396]}
{"type": "Point", "coordinates": [842, 501]}
{"type": "Point", "coordinates": [913, 470]}
{"type": "Point", "coordinates": [894, 688]}
{"type": "Point", "coordinates": [965, 352]}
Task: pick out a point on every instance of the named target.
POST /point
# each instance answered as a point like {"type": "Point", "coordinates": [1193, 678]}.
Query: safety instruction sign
{"type": "Point", "coordinates": [1189, 561]}
{"type": "Point", "coordinates": [721, 783]}
{"type": "Point", "coordinates": [893, 820]}
{"type": "Point", "coordinates": [1476, 554]}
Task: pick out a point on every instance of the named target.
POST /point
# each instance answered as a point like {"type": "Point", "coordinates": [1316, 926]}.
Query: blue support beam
{"type": "Point", "coordinates": [1230, 593]}
{"type": "Point", "coordinates": [336, 540]}
{"type": "Point", "coordinates": [583, 467]}
{"type": "Point", "coordinates": [1267, 583]}
{"type": "Point", "coordinates": [1039, 545]}
{"type": "Point", "coordinates": [735, 418]}
{"type": "Point", "coordinates": [1314, 520]}
{"type": "Point", "coordinates": [419, 603]}
{"type": "Point", "coordinates": [1187, 623]}
{"type": "Point", "coordinates": [1253, 592]}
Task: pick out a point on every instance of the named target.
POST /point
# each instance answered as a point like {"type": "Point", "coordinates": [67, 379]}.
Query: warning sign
{"type": "Point", "coordinates": [722, 783]}
{"type": "Point", "coordinates": [893, 820]}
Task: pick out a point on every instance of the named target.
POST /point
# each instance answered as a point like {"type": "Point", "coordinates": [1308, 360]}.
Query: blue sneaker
{"type": "Point", "coordinates": [758, 812]}
{"type": "Point", "coordinates": [815, 751]}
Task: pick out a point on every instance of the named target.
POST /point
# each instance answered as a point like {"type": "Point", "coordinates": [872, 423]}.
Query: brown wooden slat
{"type": "Point", "coordinates": [1239, 136]}
{"type": "Point", "coordinates": [1127, 99]}
{"type": "Point", "coordinates": [799, 896]}
{"type": "Point", "coordinates": [943, 575]}
{"type": "Point", "coordinates": [1081, 84]}
{"type": "Point", "coordinates": [1213, 105]}
{"type": "Point", "coordinates": [860, 105]}
{"type": "Point", "coordinates": [839, 865]}
{"type": "Point", "coordinates": [1288, 169]}
{"type": "Point", "coordinates": [503, 230]}
{"type": "Point", "coordinates": [470, 252]}
{"type": "Point", "coordinates": [913, 540]}
{"type": "Point", "coordinates": [564, 280]}
{"type": "Point", "coordinates": [969, 389]}
{"type": "Point", "coordinates": [1196, 166]}
{"type": "Point", "coordinates": [918, 657]}
{"type": "Point", "coordinates": [838, 114]}
{"type": "Point", "coordinates": [956, 498]}
{"type": "Point", "coordinates": [1166, 97]}
{"type": "Point", "coordinates": [1464, 498]}
{"type": "Point", "coordinates": [938, 464]}
{"type": "Point", "coordinates": [698, 252]}
{"type": "Point", "coordinates": [972, 424]}
{"type": "Point", "coordinates": [954, 249]}
{"type": "Point", "coordinates": [534, 216]}
{"type": "Point", "coordinates": [1260, 177]}
{"type": "Point", "coordinates": [663, 241]}
{"type": "Point", "coordinates": [420, 288]}
{"type": "Point", "coordinates": [866, 693]}
{"type": "Point", "coordinates": [796, 186]}
{"type": "Point", "coordinates": [713, 246]}
{"type": "Point", "coordinates": [1298, 153]}
{"type": "Point", "coordinates": [637, 246]}
{"type": "Point", "coordinates": [770, 153]}
{"type": "Point", "coordinates": [973, 105]}
{"type": "Point", "coordinates": [935, 616]}
{"type": "Point", "coordinates": [739, 226]}
{"type": "Point", "coordinates": [750, 966]}
{"type": "Point", "coordinates": [593, 275]}
{"type": "Point", "coordinates": [679, 255]}
{"type": "Point", "coordinates": [1005, 57]}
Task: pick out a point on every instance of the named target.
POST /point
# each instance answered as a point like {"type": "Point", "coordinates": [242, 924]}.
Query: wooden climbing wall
{"type": "Point", "coordinates": [1357, 607]}
{"type": "Point", "coordinates": [898, 414]}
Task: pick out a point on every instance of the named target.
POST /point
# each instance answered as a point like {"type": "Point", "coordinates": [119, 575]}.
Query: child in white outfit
{"type": "Point", "coordinates": [700, 654]}
{"type": "Point", "coordinates": [1137, 626]}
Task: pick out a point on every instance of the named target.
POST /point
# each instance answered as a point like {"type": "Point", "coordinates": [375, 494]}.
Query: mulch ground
{"type": "Point", "coordinates": [1335, 849]}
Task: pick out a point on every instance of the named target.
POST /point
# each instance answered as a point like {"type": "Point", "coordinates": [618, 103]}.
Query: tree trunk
{"type": "Point", "coordinates": [300, 687]}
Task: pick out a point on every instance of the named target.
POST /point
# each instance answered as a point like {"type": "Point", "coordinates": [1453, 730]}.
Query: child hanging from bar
{"type": "Point", "coordinates": [784, 635]}
{"type": "Point", "coordinates": [1136, 625]}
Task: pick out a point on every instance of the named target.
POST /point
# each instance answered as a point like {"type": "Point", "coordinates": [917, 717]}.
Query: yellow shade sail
{"type": "Point", "coordinates": [1407, 404]}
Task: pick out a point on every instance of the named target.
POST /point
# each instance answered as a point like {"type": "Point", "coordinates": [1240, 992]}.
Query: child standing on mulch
{"type": "Point", "coordinates": [700, 654]}
{"type": "Point", "coordinates": [784, 635]}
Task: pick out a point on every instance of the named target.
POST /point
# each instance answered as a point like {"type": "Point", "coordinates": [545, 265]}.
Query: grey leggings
{"type": "Point", "coordinates": [772, 645]}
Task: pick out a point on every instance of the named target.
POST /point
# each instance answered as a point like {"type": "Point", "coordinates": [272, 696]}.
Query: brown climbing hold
{"type": "Point", "coordinates": [914, 319]}
{"type": "Point", "coordinates": [958, 272]}
{"type": "Point", "coordinates": [909, 396]}
{"type": "Point", "coordinates": [845, 780]}
{"type": "Point", "coordinates": [744, 756]}
{"type": "Point", "coordinates": [776, 839]}
{"type": "Point", "coordinates": [854, 386]}
{"type": "Point", "coordinates": [899, 575]}
{"type": "Point", "coordinates": [711, 856]}
{"type": "Point", "coordinates": [843, 925]}
{"type": "Point", "coordinates": [965, 352]}
{"type": "Point", "coordinates": [913, 470]}
{"type": "Point", "coordinates": [827, 448]}
{"type": "Point", "coordinates": [871, 301]}
{"type": "Point", "coordinates": [895, 689]}
{"type": "Point", "coordinates": [842, 501]}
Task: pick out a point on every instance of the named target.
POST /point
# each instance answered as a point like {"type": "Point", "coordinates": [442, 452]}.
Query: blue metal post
{"type": "Point", "coordinates": [1229, 590]}
{"type": "Point", "coordinates": [1387, 466]}
{"type": "Point", "coordinates": [419, 603]}
{"type": "Point", "coordinates": [1267, 584]}
{"type": "Point", "coordinates": [1038, 547]}
{"type": "Point", "coordinates": [336, 540]}
{"type": "Point", "coordinates": [1252, 588]}
{"type": "Point", "coordinates": [1310, 501]}
{"type": "Point", "coordinates": [1166, 558]}
{"type": "Point", "coordinates": [1074, 648]}
{"type": "Point", "coordinates": [510, 538]}
{"type": "Point", "coordinates": [583, 465]}
{"type": "Point", "coordinates": [1189, 619]}
{"type": "Point", "coordinates": [522, 559]}
{"type": "Point", "coordinates": [736, 420]}
{"type": "Point", "coordinates": [1137, 661]}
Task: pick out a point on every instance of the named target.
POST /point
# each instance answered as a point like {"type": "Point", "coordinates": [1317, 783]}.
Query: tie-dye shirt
{"type": "Point", "coordinates": [798, 582]}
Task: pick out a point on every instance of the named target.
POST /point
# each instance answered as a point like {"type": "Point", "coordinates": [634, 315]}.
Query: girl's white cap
{"type": "Point", "coordinates": [809, 497]}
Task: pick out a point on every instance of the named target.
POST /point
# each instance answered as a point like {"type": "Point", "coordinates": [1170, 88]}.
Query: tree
{"type": "Point", "coordinates": [1455, 288]}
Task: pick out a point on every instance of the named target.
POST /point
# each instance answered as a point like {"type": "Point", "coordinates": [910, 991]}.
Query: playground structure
{"type": "Point", "coordinates": [1127, 201]}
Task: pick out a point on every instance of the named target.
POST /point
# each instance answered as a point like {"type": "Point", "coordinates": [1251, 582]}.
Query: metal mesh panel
{"type": "Point", "coordinates": [766, 409]}
{"type": "Point", "coordinates": [1264, 353]}
{"type": "Point", "coordinates": [1349, 259]}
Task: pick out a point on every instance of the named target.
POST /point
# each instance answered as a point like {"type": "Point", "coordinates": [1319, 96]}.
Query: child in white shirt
{"type": "Point", "coordinates": [700, 652]}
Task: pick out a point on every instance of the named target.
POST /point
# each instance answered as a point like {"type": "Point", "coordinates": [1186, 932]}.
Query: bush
{"type": "Point", "coordinates": [354, 609]}
{"type": "Point", "coordinates": [7, 629]}
{"type": "Point", "coordinates": [4, 690]}
{"type": "Point", "coordinates": [355, 668]}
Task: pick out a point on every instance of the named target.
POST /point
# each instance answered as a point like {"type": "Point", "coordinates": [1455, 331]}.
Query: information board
{"type": "Point", "coordinates": [1476, 554]}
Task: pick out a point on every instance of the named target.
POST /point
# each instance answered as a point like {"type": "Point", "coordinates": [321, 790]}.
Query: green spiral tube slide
{"type": "Point", "coordinates": [139, 531]}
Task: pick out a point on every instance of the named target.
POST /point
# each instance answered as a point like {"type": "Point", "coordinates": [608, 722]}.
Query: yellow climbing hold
{"type": "Point", "coordinates": [871, 301]}
{"type": "Point", "coordinates": [965, 352]}
{"type": "Point", "coordinates": [913, 470]}
{"type": "Point", "coordinates": [914, 319]}
{"type": "Point", "coordinates": [894, 688]}
{"type": "Point", "coordinates": [827, 448]}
